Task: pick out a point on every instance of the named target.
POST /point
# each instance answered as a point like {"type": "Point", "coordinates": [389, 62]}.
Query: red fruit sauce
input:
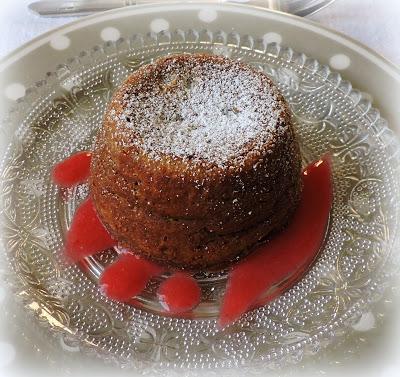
{"type": "Point", "coordinates": [179, 293]}
{"type": "Point", "coordinates": [292, 249]}
{"type": "Point", "coordinates": [73, 170]}
{"type": "Point", "coordinates": [287, 255]}
{"type": "Point", "coordinates": [127, 277]}
{"type": "Point", "coordinates": [87, 235]}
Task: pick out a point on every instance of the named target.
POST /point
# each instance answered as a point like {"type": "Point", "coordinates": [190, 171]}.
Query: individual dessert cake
{"type": "Point", "coordinates": [196, 162]}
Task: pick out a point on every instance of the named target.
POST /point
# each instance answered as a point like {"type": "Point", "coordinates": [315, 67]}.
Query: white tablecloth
{"type": "Point", "coordinates": [375, 23]}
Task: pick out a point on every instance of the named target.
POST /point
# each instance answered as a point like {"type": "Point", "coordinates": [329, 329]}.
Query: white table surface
{"type": "Point", "coordinates": [375, 23]}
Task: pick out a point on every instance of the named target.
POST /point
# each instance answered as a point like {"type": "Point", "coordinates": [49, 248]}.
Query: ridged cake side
{"type": "Point", "coordinates": [196, 162]}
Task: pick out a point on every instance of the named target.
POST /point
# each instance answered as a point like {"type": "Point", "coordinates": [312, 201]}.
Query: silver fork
{"type": "Point", "coordinates": [56, 8]}
{"type": "Point", "coordinates": [304, 8]}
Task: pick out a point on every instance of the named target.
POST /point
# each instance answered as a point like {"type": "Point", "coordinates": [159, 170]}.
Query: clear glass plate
{"type": "Point", "coordinates": [352, 271]}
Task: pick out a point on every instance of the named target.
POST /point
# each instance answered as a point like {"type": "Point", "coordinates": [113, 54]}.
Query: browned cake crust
{"type": "Point", "coordinates": [196, 161]}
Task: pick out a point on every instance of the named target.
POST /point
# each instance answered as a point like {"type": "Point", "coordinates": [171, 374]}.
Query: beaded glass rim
{"type": "Point", "coordinates": [330, 116]}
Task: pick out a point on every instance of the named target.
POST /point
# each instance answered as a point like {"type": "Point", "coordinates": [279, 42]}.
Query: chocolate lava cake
{"type": "Point", "coordinates": [196, 162]}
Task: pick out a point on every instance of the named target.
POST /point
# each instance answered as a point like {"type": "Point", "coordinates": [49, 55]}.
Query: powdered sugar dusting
{"type": "Point", "coordinates": [203, 110]}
